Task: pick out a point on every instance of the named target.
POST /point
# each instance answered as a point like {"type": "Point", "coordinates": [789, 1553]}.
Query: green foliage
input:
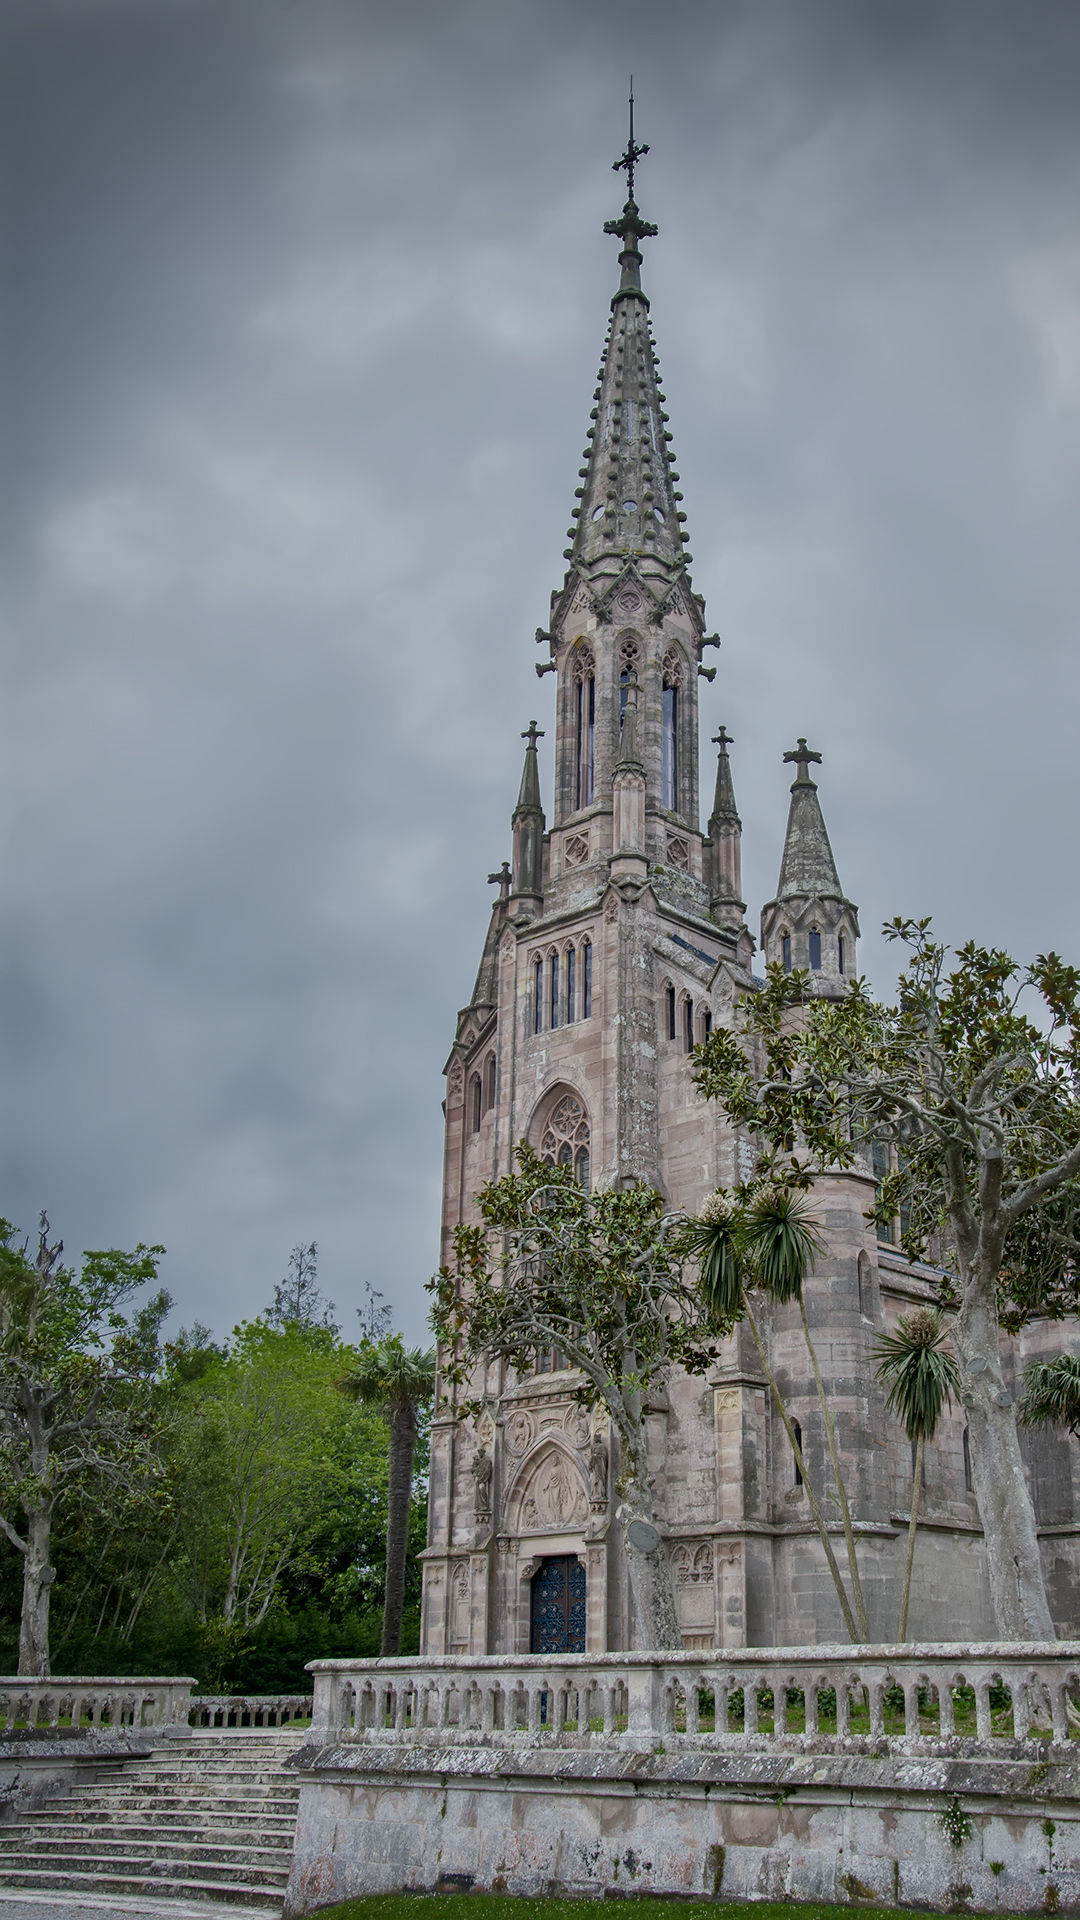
{"type": "Point", "coordinates": [1051, 1393]}
{"type": "Point", "coordinates": [957, 1825]}
{"type": "Point", "coordinates": [597, 1274]}
{"type": "Point", "coordinates": [387, 1371]}
{"type": "Point", "coordinates": [919, 1371]}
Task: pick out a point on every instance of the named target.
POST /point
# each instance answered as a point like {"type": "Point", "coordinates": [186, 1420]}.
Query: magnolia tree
{"type": "Point", "coordinates": [600, 1276]}
{"type": "Point", "coordinates": [76, 1402]}
{"type": "Point", "coordinates": [973, 1078]}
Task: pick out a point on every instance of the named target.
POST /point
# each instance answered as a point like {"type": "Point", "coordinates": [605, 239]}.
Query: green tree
{"type": "Point", "coordinates": [974, 1077]}
{"type": "Point", "coordinates": [763, 1235]}
{"type": "Point", "coordinates": [600, 1276]}
{"type": "Point", "coordinates": [76, 1401]}
{"type": "Point", "coordinates": [1051, 1393]}
{"type": "Point", "coordinates": [398, 1380]}
{"type": "Point", "coordinates": [921, 1376]}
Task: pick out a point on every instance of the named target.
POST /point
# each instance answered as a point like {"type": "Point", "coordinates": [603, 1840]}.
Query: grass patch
{"type": "Point", "coordinates": [501, 1906]}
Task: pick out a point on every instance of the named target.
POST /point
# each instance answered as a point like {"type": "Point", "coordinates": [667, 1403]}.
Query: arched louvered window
{"type": "Point", "coordinates": [538, 995]}
{"type": "Point", "coordinates": [841, 955]}
{"type": "Point", "coordinates": [815, 950]}
{"type": "Point", "coordinates": [475, 1103]}
{"type": "Point", "coordinates": [489, 1081]}
{"type": "Point", "coordinates": [673, 675]}
{"type": "Point", "coordinates": [584, 728]}
{"type": "Point", "coordinates": [586, 980]}
{"type": "Point", "coordinates": [672, 1027]}
{"type": "Point", "coordinates": [571, 986]}
{"type": "Point", "coordinates": [688, 1024]}
{"type": "Point", "coordinates": [554, 989]}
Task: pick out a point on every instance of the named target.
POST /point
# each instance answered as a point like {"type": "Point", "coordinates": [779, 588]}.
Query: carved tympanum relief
{"type": "Point", "coordinates": [518, 1432]}
{"type": "Point", "coordinates": [555, 1496]}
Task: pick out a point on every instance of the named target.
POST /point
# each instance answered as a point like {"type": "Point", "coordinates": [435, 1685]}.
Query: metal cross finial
{"type": "Point", "coordinates": [532, 734]}
{"type": "Point", "coordinates": [501, 880]}
{"type": "Point", "coordinates": [723, 739]}
{"type": "Point", "coordinates": [633, 154]}
{"type": "Point", "coordinates": [801, 756]}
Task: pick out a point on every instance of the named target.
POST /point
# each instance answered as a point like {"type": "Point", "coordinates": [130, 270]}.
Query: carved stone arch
{"type": "Point", "coordinates": [560, 1131]}
{"type": "Point", "coordinates": [548, 1493]}
{"type": "Point", "coordinates": [582, 663]}
{"type": "Point", "coordinates": [674, 667]}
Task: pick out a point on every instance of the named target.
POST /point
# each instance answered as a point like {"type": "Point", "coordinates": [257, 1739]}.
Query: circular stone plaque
{"type": "Point", "coordinates": [643, 1536]}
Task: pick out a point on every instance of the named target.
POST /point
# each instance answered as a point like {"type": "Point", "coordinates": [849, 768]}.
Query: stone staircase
{"type": "Point", "coordinates": [211, 1819]}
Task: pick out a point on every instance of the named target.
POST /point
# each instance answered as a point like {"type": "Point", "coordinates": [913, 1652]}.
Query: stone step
{"type": "Point", "coordinates": [144, 1864]}
{"type": "Point", "coordinates": [173, 1847]}
{"type": "Point", "coordinates": [165, 1819]}
{"type": "Point", "coordinates": [135, 1886]}
{"type": "Point", "coordinates": [280, 1798]}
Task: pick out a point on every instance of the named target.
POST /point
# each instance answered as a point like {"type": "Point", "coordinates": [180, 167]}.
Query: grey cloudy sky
{"type": "Point", "coordinates": [307, 298]}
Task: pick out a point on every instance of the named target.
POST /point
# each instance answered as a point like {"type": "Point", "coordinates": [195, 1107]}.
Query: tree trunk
{"type": "Point", "coordinates": [38, 1577]}
{"type": "Point", "coordinates": [1014, 1564]}
{"type": "Point", "coordinates": [650, 1573]}
{"type": "Point", "coordinates": [916, 1490]}
{"type": "Point", "coordinates": [402, 1447]}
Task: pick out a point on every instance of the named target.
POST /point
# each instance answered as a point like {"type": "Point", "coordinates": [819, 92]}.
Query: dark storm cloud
{"type": "Point", "coordinates": [308, 298]}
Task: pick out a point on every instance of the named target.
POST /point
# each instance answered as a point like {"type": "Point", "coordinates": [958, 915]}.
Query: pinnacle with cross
{"type": "Point", "coordinates": [532, 734]}
{"type": "Point", "coordinates": [630, 227]}
{"type": "Point", "coordinates": [501, 880]}
{"type": "Point", "coordinates": [723, 739]}
{"type": "Point", "coordinates": [801, 756]}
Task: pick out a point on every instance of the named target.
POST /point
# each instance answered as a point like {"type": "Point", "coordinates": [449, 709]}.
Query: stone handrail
{"type": "Point", "coordinates": [28, 1705]}
{"type": "Point", "coordinates": [249, 1709]}
{"type": "Point", "coordinates": [985, 1697]}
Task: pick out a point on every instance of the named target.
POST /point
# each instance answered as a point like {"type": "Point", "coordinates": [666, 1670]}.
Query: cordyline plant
{"type": "Point", "coordinates": [920, 1374]}
{"type": "Point", "coordinates": [76, 1401]}
{"type": "Point", "coordinates": [763, 1236]}
{"type": "Point", "coordinates": [974, 1078]}
{"type": "Point", "coordinates": [1051, 1394]}
{"type": "Point", "coordinates": [600, 1276]}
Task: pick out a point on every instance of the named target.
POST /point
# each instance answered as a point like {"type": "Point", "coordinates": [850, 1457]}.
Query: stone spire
{"type": "Point", "coordinates": [528, 826]}
{"type": "Point", "coordinates": [628, 501]}
{"type": "Point", "coordinates": [725, 834]}
{"type": "Point", "coordinates": [809, 924]}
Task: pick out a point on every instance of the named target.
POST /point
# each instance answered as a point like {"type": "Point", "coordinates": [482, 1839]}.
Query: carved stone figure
{"type": "Point", "coordinates": [598, 1472]}
{"type": "Point", "coordinates": [482, 1471]}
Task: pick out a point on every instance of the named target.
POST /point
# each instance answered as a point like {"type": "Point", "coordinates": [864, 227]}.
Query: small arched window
{"type": "Point", "coordinates": [476, 1107]}
{"type": "Point", "coordinates": [571, 985]}
{"type": "Point", "coordinates": [554, 989]}
{"type": "Point", "coordinates": [688, 1023]}
{"type": "Point", "coordinates": [586, 980]}
{"type": "Point", "coordinates": [797, 1431]}
{"type": "Point", "coordinates": [584, 727]}
{"type": "Point", "coordinates": [969, 1484]}
{"type": "Point", "coordinates": [785, 951]}
{"type": "Point", "coordinates": [841, 956]}
{"type": "Point", "coordinates": [489, 1081]}
{"type": "Point", "coordinates": [706, 1023]}
{"type": "Point", "coordinates": [815, 950]}
{"type": "Point", "coordinates": [538, 995]}
{"type": "Point", "coordinates": [672, 1029]}
{"type": "Point", "coordinates": [669, 764]}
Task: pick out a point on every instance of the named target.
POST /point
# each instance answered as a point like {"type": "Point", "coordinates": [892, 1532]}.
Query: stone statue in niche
{"type": "Point", "coordinates": [481, 1472]}
{"type": "Point", "coordinates": [598, 1473]}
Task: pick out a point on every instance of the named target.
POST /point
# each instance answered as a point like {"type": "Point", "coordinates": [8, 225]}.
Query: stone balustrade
{"type": "Point", "coordinates": [982, 1698]}
{"type": "Point", "coordinates": [40, 1706]}
{"type": "Point", "coordinates": [249, 1710]}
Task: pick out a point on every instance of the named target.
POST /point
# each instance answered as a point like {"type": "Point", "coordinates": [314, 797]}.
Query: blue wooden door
{"type": "Point", "coordinates": [558, 1606]}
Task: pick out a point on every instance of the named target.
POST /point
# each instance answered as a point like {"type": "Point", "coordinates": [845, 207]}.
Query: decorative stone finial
{"type": "Point", "coordinates": [801, 756]}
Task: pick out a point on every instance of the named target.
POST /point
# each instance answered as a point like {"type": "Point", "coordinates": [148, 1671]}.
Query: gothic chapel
{"type": "Point", "coordinates": [618, 937]}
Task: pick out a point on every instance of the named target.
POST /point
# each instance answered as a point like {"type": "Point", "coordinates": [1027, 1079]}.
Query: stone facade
{"type": "Point", "coordinates": [617, 940]}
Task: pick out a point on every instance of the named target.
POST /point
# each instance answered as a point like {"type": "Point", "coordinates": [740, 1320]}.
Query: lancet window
{"type": "Point", "coordinates": [672, 1027]}
{"type": "Point", "coordinates": [476, 1107]}
{"type": "Point", "coordinates": [565, 1139]}
{"type": "Point", "coordinates": [538, 995]}
{"type": "Point", "coordinates": [584, 727]}
{"type": "Point", "coordinates": [815, 950]}
{"type": "Point", "coordinates": [554, 989]}
{"type": "Point", "coordinates": [841, 954]}
{"type": "Point", "coordinates": [673, 680]}
{"type": "Point", "coordinates": [571, 986]}
{"type": "Point", "coordinates": [629, 662]}
{"type": "Point", "coordinates": [489, 1081]}
{"type": "Point", "coordinates": [688, 1024]}
{"type": "Point", "coordinates": [586, 980]}
{"type": "Point", "coordinates": [785, 951]}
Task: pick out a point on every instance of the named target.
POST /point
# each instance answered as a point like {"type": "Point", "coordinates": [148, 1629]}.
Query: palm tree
{"type": "Point", "coordinates": [398, 1380]}
{"type": "Point", "coordinates": [767, 1238]}
{"type": "Point", "coordinates": [921, 1377]}
{"type": "Point", "coordinates": [1051, 1395]}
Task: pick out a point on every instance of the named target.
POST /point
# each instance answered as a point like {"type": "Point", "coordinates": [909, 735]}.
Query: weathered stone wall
{"type": "Point", "coordinates": [847, 1828]}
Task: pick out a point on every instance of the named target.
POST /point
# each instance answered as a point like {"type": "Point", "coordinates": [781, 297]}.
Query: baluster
{"type": "Point", "coordinates": [693, 1703]}
{"type": "Point", "coordinates": [750, 1705]}
{"type": "Point", "coordinates": [1027, 1697]}
{"type": "Point", "coordinates": [534, 1695]}
{"type": "Point", "coordinates": [911, 1708]}
{"type": "Point", "coordinates": [875, 1695]}
{"type": "Point", "coordinates": [983, 1725]}
{"type": "Point", "coordinates": [811, 1689]}
{"type": "Point", "coordinates": [609, 1708]}
{"type": "Point", "coordinates": [1057, 1691]}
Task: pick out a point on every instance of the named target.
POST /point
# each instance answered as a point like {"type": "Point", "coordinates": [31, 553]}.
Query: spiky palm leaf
{"type": "Point", "coordinates": [716, 1242]}
{"type": "Point", "coordinates": [919, 1371]}
{"type": "Point", "coordinates": [1051, 1395]}
{"type": "Point", "coordinates": [782, 1241]}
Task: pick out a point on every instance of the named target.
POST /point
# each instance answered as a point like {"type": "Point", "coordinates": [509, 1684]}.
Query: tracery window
{"type": "Point", "coordinates": [584, 727]}
{"type": "Point", "coordinates": [673, 677]}
{"type": "Point", "coordinates": [815, 950]}
{"type": "Point", "coordinates": [565, 1139]}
